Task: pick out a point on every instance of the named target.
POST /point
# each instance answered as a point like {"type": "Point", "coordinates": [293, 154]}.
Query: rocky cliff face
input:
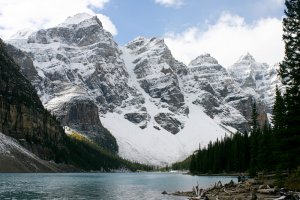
{"type": "Point", "coordinates": [157, 108]}
{"type": "Point", "coordinates": [15, 158]}
{"type": "Point", "coordinates": [74, 60]}
{"type": "Point", "coordinates": [154, 70]}
{"type": "Point", "coordinates": [22, 115]}
{"type": "Point", "coordinates": [209, 85]}
{"type": "Point", "coordinates": [256, 78]}
{"type": "Point", "coordinates": [25, 63]}
{"type": "Point", "coordinates": [82, 115]}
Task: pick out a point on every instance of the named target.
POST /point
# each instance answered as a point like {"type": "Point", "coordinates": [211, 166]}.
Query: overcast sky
{"type": "Point", "coordinates": [224, 28]}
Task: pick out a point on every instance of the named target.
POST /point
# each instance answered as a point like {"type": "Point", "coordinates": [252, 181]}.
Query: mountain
{"type": "Point", "coordinates": [209, 85]}
{"type": "Point", "coordinates": [256, 78]}
{"type": "Point", "coordinates": [76, 66]}
{"type": "Point", "coordinates": [156, 110]}
{"type": "Point", "coordinates": [29, 134]}
{"type": "Point", "coordinates": [33, 140]}
{"type": "Point", "coordinates": [22, 114]}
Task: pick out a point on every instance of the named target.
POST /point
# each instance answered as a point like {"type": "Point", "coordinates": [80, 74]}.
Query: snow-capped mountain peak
{"type": "Point", "coordinates": [204, 59]}
{"type": "Point", "coordinates": [157, 108]}
{"type": "Point", "coordinates": [256, 77]}
{"type": "Point", "coordinates": [140, 44]}
{"type": "Point", "coordinates": [81, 18]}
{"type": "Point", "coordinates": [22, 34]}
{"type": "Point", "coordinates": [247, 58]}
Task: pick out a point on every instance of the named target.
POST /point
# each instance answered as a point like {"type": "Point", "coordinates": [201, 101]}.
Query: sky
{"type": "Point", "coordinates": [226, 29]}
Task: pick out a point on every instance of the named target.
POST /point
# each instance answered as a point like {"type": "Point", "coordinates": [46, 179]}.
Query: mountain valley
{"type": "Point", "coordinates": [138, 100]}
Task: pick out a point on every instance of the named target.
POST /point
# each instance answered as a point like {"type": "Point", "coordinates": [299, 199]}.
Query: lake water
{"type": "Point", "coordinates": [106, 186]}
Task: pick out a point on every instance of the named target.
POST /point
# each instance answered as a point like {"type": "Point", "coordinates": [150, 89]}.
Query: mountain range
{"type": "Point", "coordinates": [138, 100]}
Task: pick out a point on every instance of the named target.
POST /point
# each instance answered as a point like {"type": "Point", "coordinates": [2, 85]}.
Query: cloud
{"type": "Point", "coordinates": [107, 24]}
{"type": "Point", "coordinates": [228, 39]}
{"type": "Point", "coordinates": [170, 3]}
{"type": "Point", "coordinates": [36, 14]}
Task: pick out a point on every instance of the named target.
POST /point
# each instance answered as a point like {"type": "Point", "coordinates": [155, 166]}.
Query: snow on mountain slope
{"type": "Point", "coordinates": [76, 19]}
{"type": "Point", "coordinates": [22, 34]}
{"type": "Point", "coordinates": [257, 78]}
{"type": "Point", "coordinates": [160, 147]}
{"type": "Point", "coordinates": [75, 62]}
{"type": "Point", "coordinates": [154, 71]}
{"type": "Point", "coordinates": [157, 108]}
{"type": "Point", "coordinates": [78, 54]}
{"type": "Point", "coordinates": [153, 144]}
{"type": "Point", "coordinates": [207, 84]}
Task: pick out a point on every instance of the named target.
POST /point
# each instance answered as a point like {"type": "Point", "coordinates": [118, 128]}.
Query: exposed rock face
{"type": "Point", "coordinates": [169, 122]}
{"type": "Point", "coordinates": [209, 103]}
{"type": "Point", "coordinates": [139, 90]}
{"type": "Point", "coordinates": [256, 78]}
{"type": "Point", "coordinates": [210, 86]}
{"type": "Point", "coordinates": [25, 62]}
{"type": "Point", "coordinates": [77, 59]}
{"type": "Point", "coordinates": [140, 119]}
{"type": "Point", "coordinates": [156, 71]}
{"type": "Point", "coordinates": [174, 86]}
{"type": "Point", "coordinates": [243, 103]}
{"type": "Point", "coordinates": [82, 115]}
{"type": "Point", "coordinates": [22, 115]}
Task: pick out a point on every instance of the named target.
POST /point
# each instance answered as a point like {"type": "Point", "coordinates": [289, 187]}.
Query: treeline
{"type": "Point", "coordinates": [84, 154]}
{"type": "Point", "coordinates": [276, 148]}
{"type": "Point", "coordinates": [239, 152]}
{"type": "Point", "coordinates": [262, 149]}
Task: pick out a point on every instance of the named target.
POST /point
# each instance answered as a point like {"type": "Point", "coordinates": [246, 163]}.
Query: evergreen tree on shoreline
{"type": "Point", "coordinates": [290, 74]}
{"type": "Point", "coordinates": [279, 113]}
{"type": "Point", "coordinates": [254, 142]}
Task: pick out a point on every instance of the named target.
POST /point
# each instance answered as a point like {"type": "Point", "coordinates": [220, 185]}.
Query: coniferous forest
{"type": "Point", "coordinates": [273, 147]}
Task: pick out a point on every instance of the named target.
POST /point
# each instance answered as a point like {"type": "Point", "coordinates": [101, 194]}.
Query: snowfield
{"type": "Point", "coordinates": [159, 147]}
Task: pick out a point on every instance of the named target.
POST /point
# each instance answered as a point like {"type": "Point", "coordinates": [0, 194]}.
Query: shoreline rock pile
{"type": "Point", "coordinates": [250, 189]}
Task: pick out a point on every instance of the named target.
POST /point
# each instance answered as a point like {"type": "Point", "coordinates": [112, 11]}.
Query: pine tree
{"type": "Point", "coordinates": [193, 165]}
{"type": "Point", "coordinates": [279, 143]}
{"type": "Point", "coordinates": [279, 113]}
{"type": "Point", "coordinates": [265, 157]}
{"type": "Point", "coordinates": [254, 122]}
{"type": "Point", "coordinates": [254, 137]}
{"type": "Point", "coordinates": [290, 74]}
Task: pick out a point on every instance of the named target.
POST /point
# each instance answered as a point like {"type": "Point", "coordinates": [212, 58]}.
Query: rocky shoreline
{"type": "Point", "coordinates": [249, 189]}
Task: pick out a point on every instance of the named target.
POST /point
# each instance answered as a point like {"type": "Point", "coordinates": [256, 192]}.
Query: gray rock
{"type": "Point", "coordinates": [86, 65]}
{"type": "Point", "coordinates": [22, 115]}
{"type": "Point", "coordinates": [158, 72]}
{"type": "Point", "coordinates": [24, 61]}
{"type": "Point", "coordinates": [219, 94]}
{"type": "Point", "coordinates": [140, 119]}
{"type": "Point", "coordinates": [260, 77]}
{"type": "Point", "coordinates": [87, 62]}
{"type": "Point", "coordinates": [209, 103]}
{"type": "Point", "coordinates": [169, 122]}
{"type": "Point", "coordinates": [81, 114]}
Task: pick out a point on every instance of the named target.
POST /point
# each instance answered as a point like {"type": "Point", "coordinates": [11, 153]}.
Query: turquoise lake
{"type": "Point", "coordinates": [106, 186]}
